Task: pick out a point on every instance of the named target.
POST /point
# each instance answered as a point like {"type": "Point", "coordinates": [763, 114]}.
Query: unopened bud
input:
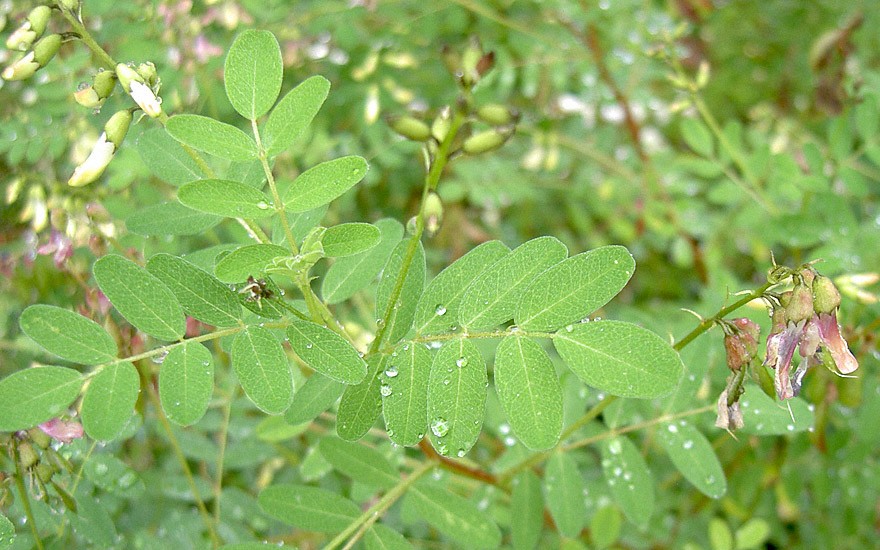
{"type": "Point", "coordinates": [72, 5]}
{"type": "Point", "coordinates": [21, 38]}
{"type": "Point", "coordinates": [433, 212]}
{"type": "Point", "coordinates": [127, 75]}
{"type": "Point", "coordinates": [703, 74]}
{"type": "Point", "coordinates": [313, 242]}
{"type": "Point", "coordinates": [484, 142]}
{"type": "Point", "coordinates": [39, 18]}
{"type": "Point", "coordinates": [92, 168]}
{"type": "Point", "coordinates": [147, 70]}
{"type": "Point", "coordinates": [145, 98]}
{"type": "Point", "coordinates": [800, 307]}
{"type": "Point", "coordinates": [45, 472]}
{"type": "Point", "coordinates": [117, 126]}
{"type": "Point", "coordinates": [40, 438]}
{"type": "Point", "coordinates": [27, 455]}
{"type": "Point", "coordinates": [88, 97]}
{"type": "Point", "coordinates": [497, 115]}
{"type": "Point", "coordinates": [826, 297]}
{"type": "Point", "coordinates": [440, 126]}
{"type": "Point", "coordinates": [46, 48]}
{"type": "Point", "coordinates": [21, 69]}
{"type": "Point", "coordinates": [410, 128]}
{"type": "Point", "coordinates": [451, 60]}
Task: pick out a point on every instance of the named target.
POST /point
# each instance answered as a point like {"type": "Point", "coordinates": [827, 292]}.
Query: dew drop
{"type": "Point", "coordinates": [688, 444]}
{"type": "Point", "coordinates": [391, 372]}
{"type": "Point", "coordinates": [440, 427]}
{"type": "Point", "coordinates": [672, 428]}
{"type": "Point", "coordinates": [460, 453]}
{"type": "Point", "coordinates": [440, 310]}
{"type": "Point", "coordinates": [385, 390]}
{"type": "Point", "coordinates": [569, 328]}
{"type": "Point", "coordinates": [262, 205]}
{"type": "Point", "coordinates": [614, 447]}
{"type": "Point", "coordinates": [309, 345]}
{"type": "Point", "coordinates": [461, 362]}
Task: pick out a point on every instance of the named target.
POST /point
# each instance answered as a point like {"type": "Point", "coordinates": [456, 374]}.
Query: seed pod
{"type": "Point", "coordinates": [433, 212]}
{"type": "Point", "coordinates": [127, 75]}
{"type": "Point", "coordinates": [87, 97]}
{"type": "Point", "coordinates": [410, 128]}
{"type": "Point", "coordinates": [45, 472]}
{"type": "Point", "coordinates": [104, 83]}
{"type": "Point", "coordinates": [486, 141]}
{"type": "Point", "coordinates": [440, 126]}
{"type": "Point", "coordinates": [496, 114]}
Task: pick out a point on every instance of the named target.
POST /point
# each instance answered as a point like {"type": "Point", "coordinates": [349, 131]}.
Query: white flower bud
{"type": "Point", "coordinates": [92, 168]}
{"type": "Point", "coordinates": [145, 98]}
{"type": "Point", "coordinates": [22, 69]}
{"type": "Point", "coordinates": [22, 37]}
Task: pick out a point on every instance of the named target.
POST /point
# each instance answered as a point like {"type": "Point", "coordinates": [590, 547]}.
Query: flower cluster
{"type": "Point", "coordinates": [803, 319]}
{"type": "Point", "coordinates": [806, 319]}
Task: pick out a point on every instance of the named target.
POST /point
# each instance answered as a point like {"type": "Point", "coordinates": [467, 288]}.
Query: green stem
{"type": "Point", "coordinates": [181, 459]}
{"type": "Point", "coordinates": [706, 324]}
{"type": "Point", "coordinates": [86, 37]}
{"type": "Point", "coordinates": [221, 455]}
{"type": "Point", "coordinates": [276, 198]}
{"type": "Point", "coordinates": [441, 158]}
{"type": "Point", "coordinates": [359, 526]}
{"type": "Point", "coordinates": [23, 495]}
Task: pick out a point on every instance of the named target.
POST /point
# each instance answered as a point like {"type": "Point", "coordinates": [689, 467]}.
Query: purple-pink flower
{"type": "Point", "coordinates": [64, 431]}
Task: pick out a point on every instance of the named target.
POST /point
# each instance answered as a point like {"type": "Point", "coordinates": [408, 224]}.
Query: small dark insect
{"type": "Point", "coordinates": [256, 290]}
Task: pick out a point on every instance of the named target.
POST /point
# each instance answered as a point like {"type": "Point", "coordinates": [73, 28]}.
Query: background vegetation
{"type": "Point", "coordinates": [703, 136]}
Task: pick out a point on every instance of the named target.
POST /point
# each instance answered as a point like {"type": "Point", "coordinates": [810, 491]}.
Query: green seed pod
{"type": "Point", "coordinates": [497, 114]}
{"type": "Point", "coordinates": [27, 455]}
{"type": "Point", "coordinates": [484, 142]}
{"type": "Point", "coordinates": [433, 212]}
{"type": "Point", "coordinates": [147, 71]}
{"type": "Point", "coordinates": [88, 97]}
{"type": "Point", "coordinates": [127, 75]}
{"type": "Point", "coordinates": [46, 48]}
{"type": "Point", "coordinates": [410, 128]}
{"type": "Point", "coordinates": [72, 5]}
{"type": "Point", "coordinates": [40, 438]}
{"type": "Point", "coordinates": [826, 297]}
{"type": "Point", "coordinates": [117, 127]}
{"type": "Point", "coordinates": [39, 18]}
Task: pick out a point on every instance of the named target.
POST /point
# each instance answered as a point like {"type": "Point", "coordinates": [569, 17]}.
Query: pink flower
{"type": "Point", "coordinates": [64, 431]}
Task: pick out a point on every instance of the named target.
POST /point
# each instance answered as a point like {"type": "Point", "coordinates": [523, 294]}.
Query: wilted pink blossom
{"type": "Point", "coordinates": [64, 431]}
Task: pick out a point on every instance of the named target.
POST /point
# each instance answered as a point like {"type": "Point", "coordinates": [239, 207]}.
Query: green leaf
{"type": "Point", "coordinates": [321, 184]}
{"type": "Point", "coordinates": [629, 479]}
{"type": "Point", "coordinates": [226, 198]}
{"type": "Point", "coordinates": [7, 532]}
{"type": "Point", "coordinates": [763, 416]}
{"type": "Point", "coordinates": [212, 136]}
{"type": "Point", "coordinates": [404, 392]}
{"type": "Point", "coordinates": [454, 516]}
{"type": "Point", "coordinates": [308, 508]}
{"type": "Point", "coordinates": [352, 273]}
{"type": "Point", "coordinates": [248, 172]}
{"type": "Point", "coordinates": [694, 457]}
{"type": "Point", "coordinates": [402, 312]}
{"type": "Point", "coordinates": [170, 218]}
{"type": "Point", "coordinates": [605, 526]}
{"type": "Point", "coordinates": [456, 397]}
{"type": "Point", "coordinates": [752, 534]}
{"type": "Point", "coordinates": [34, 395]}
{"type": "Point", "coordinates": [293, 114]}
{"type": "Point", "coordinates": [438, 307]}
{"type": "Point", "coordinates": [362, 464]}
{"type": "Point", "coordinates": [166, 159]}
{"type": "Point", "coordinates": [250, 260]}
{"type": "Point", "coordinates": [697, 137]}
{"type": "Point", "coordinates": [361, 405]}
{"type": "Point", "coordinates": [262, 369]}
{"type": "Point", "coordinates": [564, 488]}
{"type": "Point", "coordinates": [252, 73]}
{"type": "Point", "coordinates": [574, 288]}
{"type": "Point", "coordinates": [315, 396]}
{"type": "Point", "coordinates": [381, 537]}
{"type": "Point", "coordinates": [346, 239]}
{"type": "Point", "coordinates": [326, 352]}
{"type": "Point", "coordinates": [301, 223]}
{"type": "Point", "coordinates": [526, 510]}
{"type": "Point", "coordinates": [109, 401]}
{"type": "Point", "coordinates": [867, 116]}
{"type": "Point", "coordinates": [529, 391]}
{"type": "Point", "coordinates": [68, 335]}
{"type": "Point", "coordinates": [186, 381]}
{"type": "Point", "coordinates": [492, 298]}
{"type": "Point", "coordinates": [620, 358]}
{"type": "Point", "coordinates": [200, 294]}
{"type": "Point", "coordinates": [140, 297]}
